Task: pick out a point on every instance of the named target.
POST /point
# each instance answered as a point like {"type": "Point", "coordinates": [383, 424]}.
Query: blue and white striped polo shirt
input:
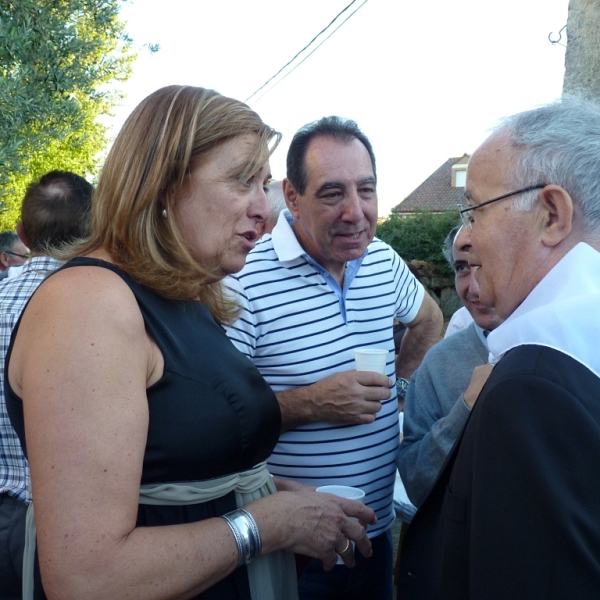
{"type": "Point", "coordinates": [297, 326]}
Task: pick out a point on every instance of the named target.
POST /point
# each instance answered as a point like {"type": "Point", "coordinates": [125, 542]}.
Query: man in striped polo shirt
{"type": "Point", "coordinates": [311, 292]}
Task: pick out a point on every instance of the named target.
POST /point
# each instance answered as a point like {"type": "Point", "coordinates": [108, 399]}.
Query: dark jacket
{"type": "Point", "coordinates": [515, 512]}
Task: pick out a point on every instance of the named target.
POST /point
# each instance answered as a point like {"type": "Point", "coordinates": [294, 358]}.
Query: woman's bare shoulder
{"type": "Point", "coordinates": [77, 308]}
{"type": "Point", "coordinates": [90, 292]}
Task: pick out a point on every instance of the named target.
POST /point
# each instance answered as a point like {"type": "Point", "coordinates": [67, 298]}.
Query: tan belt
{"type": "Point", "coordinates": [271, 577]}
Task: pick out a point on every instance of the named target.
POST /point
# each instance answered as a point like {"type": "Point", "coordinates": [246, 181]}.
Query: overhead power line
{"type": "Point", "coordinates": [305, 48]}
{"type": "Point", "coordinates": [313, 51]}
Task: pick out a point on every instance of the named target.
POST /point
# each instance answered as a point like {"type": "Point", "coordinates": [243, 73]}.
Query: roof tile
{"type": "Point", "coordinates": [435, 193]}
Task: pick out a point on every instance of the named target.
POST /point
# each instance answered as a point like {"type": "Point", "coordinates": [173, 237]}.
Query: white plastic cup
{"type": "Point", "coordinates": [344, 491]}
{"type": "Point", "coordinates": [370, 359]}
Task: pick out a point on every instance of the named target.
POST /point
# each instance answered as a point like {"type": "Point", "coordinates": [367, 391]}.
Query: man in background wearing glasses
{"type": "Point", "coordinates": [13, 252]}
{"type": "Point", "coordinates": [515, 512]}
{"type": "Point", "coordinates": [444, 388]}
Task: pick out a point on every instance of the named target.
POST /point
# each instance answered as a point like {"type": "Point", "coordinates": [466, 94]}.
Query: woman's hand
{"type": "Point", "coordinates": [315, 524]}
{"type": "Point", "coordinates": [289, 485]}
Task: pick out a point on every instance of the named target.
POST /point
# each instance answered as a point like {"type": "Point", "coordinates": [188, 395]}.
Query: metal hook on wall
{"type": "Point", "coordinates": [557, 41]}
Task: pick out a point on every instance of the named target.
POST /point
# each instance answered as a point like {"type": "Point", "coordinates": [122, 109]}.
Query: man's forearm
{"type": "Point", "coordinates": [296, 407]}
{"type": "Point", "coordinates": [413, 349]}
{"type": "Point", "coordinates": [423, 333]}
{"type": "Point", "coordinates": [426, 444]}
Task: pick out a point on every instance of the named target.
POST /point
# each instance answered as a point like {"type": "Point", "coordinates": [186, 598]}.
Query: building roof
{"type": "Point", "coordinates": [436, 193]}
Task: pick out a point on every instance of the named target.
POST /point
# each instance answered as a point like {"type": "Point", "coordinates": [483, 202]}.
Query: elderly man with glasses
{"type": "Point", "coordinates": [13, 252]}
{"type": "Point", "coordinates": [515, 512]}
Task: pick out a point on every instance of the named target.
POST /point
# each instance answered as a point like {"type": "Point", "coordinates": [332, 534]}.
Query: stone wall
{"type": "Point", "coordinates": [439, 286]}
{"type": "Point", "coordinates": [582, 59]}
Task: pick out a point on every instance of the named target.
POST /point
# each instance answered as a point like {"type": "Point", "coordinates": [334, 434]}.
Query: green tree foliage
{"type": "Point", "coordinates": [59, 61]}
{"type": "Point", "coordinates": [419, 236]}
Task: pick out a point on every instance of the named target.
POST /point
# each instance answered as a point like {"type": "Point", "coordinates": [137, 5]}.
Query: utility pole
{"type": "Point", "coordinates": [582, 59]}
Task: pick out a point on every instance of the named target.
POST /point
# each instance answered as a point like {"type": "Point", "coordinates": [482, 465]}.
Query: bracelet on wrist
{"type": "Point", "coordinates": [246, 534]}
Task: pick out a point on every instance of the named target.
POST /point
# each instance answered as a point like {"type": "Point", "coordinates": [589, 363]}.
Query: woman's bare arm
{"type": "Point", "coordinates": [82, 362]}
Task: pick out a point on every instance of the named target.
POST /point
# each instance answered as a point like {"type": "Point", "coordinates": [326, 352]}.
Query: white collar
{"type": "Point", "coordinates": [285, 243]}
{"type": "Point", "coordinates": [561, 312]}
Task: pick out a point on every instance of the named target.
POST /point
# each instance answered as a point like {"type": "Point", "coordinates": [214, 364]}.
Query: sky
{"type": "Point", "coordinates": [425, 81]}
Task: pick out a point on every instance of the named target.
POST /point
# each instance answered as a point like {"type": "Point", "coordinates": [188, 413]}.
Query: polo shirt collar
{"type": "Point", "coordinates": [286, 245]}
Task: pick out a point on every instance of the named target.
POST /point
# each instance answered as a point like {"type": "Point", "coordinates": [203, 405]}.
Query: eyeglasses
{"type": "Point", "coordinates": [25, 256]}
{"type": "Point", "coordinates": [467, 223]}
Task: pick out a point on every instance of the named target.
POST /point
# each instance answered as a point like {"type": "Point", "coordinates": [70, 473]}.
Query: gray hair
{"type": "Point", "coordinates": [558, 143]}
{"type": "Point", "coordinates": [8, 239]}
{"type": "Point", "coordinates": [276, 198]}
{"type": "Point", "coordinates": [448, 245]}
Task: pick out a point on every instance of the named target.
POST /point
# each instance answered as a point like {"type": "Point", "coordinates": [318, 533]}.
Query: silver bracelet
{"type": "Point", "coordinates": [247, 536]}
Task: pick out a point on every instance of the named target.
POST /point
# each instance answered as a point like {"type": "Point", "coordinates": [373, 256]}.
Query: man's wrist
{"type": "Point", "coordinates": [401, 387]}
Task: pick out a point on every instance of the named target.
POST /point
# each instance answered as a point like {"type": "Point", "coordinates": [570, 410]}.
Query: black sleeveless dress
{"type": "Point", "coordinates": [211, 414]}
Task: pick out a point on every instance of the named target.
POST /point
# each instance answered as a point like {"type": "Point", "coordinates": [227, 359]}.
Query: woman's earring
{"type": "Point", "coordinates": [164, 213]}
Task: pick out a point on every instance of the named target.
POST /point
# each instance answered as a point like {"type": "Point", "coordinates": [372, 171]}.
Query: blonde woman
{"type": "Point", "coordinates": [145, 429]}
